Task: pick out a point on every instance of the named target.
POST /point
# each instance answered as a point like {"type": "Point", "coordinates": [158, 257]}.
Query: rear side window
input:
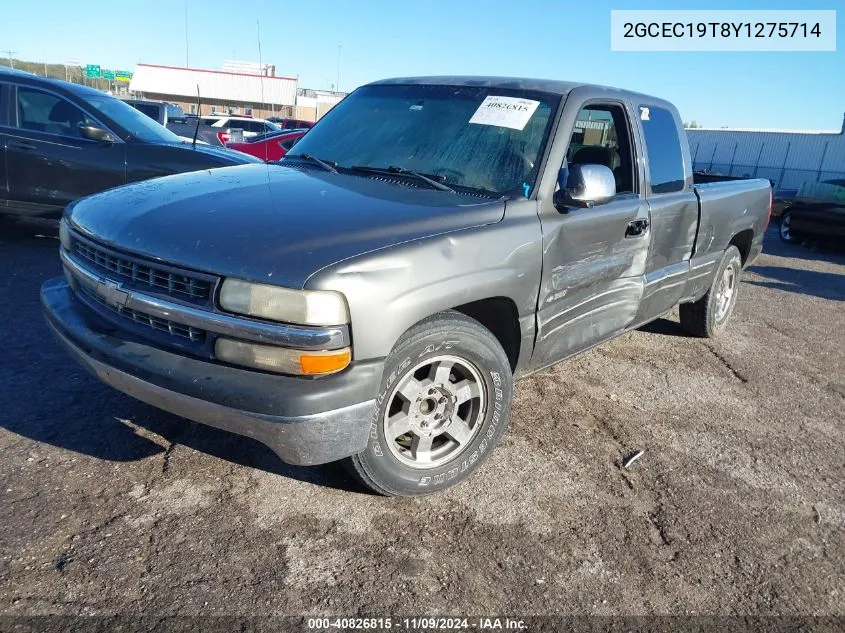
{"type": "Point", "coordinates": [246, 126]}
{"type": "Point", "coordinates": [148, 109]}
{"type": "Point", "coordinates": [665, 162]}
{"type": "Point", "coordinates": [174, 111]}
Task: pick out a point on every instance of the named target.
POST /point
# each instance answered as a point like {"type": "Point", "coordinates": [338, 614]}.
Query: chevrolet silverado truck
{"type": "Point", "coordinates": [372, 297]}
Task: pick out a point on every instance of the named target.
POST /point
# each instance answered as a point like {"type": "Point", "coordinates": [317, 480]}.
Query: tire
{"type": "Point", "coordinates": [707, 316]}
{"type": "Point", "coordinates": [785, 229]}
{"type": "Point", "coordinates": [442, 408]}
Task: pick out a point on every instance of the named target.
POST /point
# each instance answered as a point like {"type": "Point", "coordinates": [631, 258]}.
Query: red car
{"type": "Point", "coordinates": [270, 146]}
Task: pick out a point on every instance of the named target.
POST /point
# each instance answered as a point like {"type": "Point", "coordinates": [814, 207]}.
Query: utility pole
{"type": "Point", "coordinates": [187, 62]}
{"type": "Point", "coordinates": [337, 85]}
{"type": "Point", "coordinates": [10, 53]}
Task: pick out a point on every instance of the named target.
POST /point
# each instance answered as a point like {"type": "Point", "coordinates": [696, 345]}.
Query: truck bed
{"type": "Point", "coordinates": [729, 211]}
{"type": "Point", "coordinates": [726, 208]}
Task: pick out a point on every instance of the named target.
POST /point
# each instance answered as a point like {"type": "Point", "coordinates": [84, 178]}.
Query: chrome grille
{"type": "Point", "coordinates": [179, 284]}
{"type": "Point", "coordinates": [162, 325]}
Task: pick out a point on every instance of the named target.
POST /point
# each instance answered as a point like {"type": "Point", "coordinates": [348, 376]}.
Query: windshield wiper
{"type": "Point", "coordinates": [429, 180]}
{"type": "Point", "coordinates": [327, 165]}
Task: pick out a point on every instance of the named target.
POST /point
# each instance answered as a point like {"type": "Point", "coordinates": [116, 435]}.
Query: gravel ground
{"type": "Point", "coordinates": [737, 506]}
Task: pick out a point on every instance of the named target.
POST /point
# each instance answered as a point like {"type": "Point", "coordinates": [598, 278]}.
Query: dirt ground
{"type": "Point", "coordinates": [737, 506]}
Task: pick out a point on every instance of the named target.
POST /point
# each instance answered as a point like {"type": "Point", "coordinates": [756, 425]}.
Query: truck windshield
{"type": "Point", "coordinates": [479, 138]}
{"type": "Point", "coordinates": [136, 124]}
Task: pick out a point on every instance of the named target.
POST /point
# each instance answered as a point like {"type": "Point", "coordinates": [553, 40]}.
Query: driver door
{"type": "Point", "coordinates": [594, 258]}
{"type": "Point", "coordinates": [49, 163]}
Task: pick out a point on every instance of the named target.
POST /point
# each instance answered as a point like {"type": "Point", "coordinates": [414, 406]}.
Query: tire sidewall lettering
{"type": "Point", "coordinates": [496, 387]}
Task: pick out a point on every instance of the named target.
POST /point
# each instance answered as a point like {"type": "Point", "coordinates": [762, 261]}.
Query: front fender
{"type": "Point", "coordinates": [392, 289]}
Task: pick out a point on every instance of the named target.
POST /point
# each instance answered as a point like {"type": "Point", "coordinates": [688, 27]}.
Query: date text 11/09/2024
{"type": "Point", "coordinates": [433, 623]}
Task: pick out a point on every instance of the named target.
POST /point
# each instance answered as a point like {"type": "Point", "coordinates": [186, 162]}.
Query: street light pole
{"type": "Point", "coordinates": [187, 60]}
{"type": "Point", "coordinates": [337, 84]}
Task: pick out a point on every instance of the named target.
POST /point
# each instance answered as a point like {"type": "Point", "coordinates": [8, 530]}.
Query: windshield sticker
{"type": "Point", "coordinates": [511, 112]}
{"type": "Point", "coordinates": [644, 113]}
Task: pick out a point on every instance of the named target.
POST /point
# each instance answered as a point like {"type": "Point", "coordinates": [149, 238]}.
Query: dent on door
{"type": "Point", "coordinates": [593, 278]}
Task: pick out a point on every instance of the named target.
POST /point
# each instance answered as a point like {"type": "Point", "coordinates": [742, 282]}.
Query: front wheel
{"type": "Point", "coordinates": [710, 314]}
{"type": "Point", "coordinates": [442, 408]}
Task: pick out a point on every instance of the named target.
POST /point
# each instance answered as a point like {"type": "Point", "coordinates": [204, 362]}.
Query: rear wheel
{"type": "Point", "coordinates": [785, 230]}
{"type": "Point", "coordinates": [711, 313]}
{"type": "Point", "coordinates": [442, 408]}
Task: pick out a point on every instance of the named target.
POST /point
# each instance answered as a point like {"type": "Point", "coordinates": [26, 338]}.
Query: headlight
{"type": "Point", "coordinates": [305, 307]}
{"type": "Point", "coordinates": [64, 234]}
{"type": "Point", "coordinates": [281, 360]}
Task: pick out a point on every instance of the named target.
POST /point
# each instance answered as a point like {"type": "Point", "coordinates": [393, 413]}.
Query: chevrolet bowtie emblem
{"type": "Point", "coordinates": [112, 293]}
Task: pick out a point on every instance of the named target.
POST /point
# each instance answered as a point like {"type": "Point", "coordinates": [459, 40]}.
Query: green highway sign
{"type": "Point", "coordinates": [122, 75]}
{"type": "Point", "coordinates": [108, 74]}
{"type": "Point", "coordinates": [93, 71]}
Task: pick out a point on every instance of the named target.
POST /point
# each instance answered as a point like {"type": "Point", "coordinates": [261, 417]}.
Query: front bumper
{"type": "Point", "coordinates": [304, 420]}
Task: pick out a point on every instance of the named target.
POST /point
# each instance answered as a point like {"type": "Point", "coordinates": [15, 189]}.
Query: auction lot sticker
{"type": "Point", "coordinates": [509, 112]}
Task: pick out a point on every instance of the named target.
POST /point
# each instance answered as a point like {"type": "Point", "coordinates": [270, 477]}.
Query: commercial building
{"type": "Point", "coordinates": [254, 92]}
{"type": "Point", "coordinates": [790, 158]}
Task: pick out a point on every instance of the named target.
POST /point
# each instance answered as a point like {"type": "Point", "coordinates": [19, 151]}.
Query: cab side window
{"type": "Point", "coordinates": [44, 112]}
{"type": "Point", "coordinates": [665, 162]}
{"type": "Point", "coordinates": [601, 137]}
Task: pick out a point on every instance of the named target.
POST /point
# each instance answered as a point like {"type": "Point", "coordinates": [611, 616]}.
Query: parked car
{"type": "Point", "coordinates": [250, 126]}
{"type": "Point", "coordinates": [373, 296]}
{"type": "Point", "coordinates": [286, 123]}
{"type": "Point", "coordinates": [820, 218]}
{"type": "Point", "coordinates": [159, 111]}
{"type": "Point", "coordinates": [191, 128]}
{"type": "Point", "coordinates": [62, 141]}
{"type": "Point", "coordinates": [268, 147]}
{"type": "Point", "coordinates": [174, 119]}
{"type": "Point", "coordinates": [218, 129]}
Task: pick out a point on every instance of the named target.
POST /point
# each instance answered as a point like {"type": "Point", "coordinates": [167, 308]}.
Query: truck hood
{"type": "Point", "coordinates": [271, 223]}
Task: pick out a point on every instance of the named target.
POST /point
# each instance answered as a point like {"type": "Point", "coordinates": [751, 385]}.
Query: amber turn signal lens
{"type": "Point", "coordinates": [281, 360]}
{"type": "Point", "coordinates": [324, 363]}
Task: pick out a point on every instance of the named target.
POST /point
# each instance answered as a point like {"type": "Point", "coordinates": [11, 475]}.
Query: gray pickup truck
{"type": "Point", "coordinates": [373, 297]}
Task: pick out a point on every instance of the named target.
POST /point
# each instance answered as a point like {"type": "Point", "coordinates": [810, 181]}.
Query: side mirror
{"type": "Point", "coordinates": [94, 133]}
{"type": "Point", "coordinates": [585, 186]}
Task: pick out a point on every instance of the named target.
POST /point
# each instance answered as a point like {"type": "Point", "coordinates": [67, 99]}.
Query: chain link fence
{"type": "Point", "coordinates": [787, 180]}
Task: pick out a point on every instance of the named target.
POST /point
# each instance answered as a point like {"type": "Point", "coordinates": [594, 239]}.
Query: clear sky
{"type": "Point", "coordinates": [383, 38]}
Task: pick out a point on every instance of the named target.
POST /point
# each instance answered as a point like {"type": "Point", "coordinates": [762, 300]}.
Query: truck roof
{"type": "Point", "coordinates": [552, 86]}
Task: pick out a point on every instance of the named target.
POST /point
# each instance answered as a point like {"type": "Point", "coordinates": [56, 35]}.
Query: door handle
{"type": "Point", "coordinates": [636, 227]}
{"type": "Point", "coordinates": [19, 145]}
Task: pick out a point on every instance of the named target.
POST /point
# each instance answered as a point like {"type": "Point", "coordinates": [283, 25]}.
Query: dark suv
{"type": "Point", "coordinates": [61, 141]}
